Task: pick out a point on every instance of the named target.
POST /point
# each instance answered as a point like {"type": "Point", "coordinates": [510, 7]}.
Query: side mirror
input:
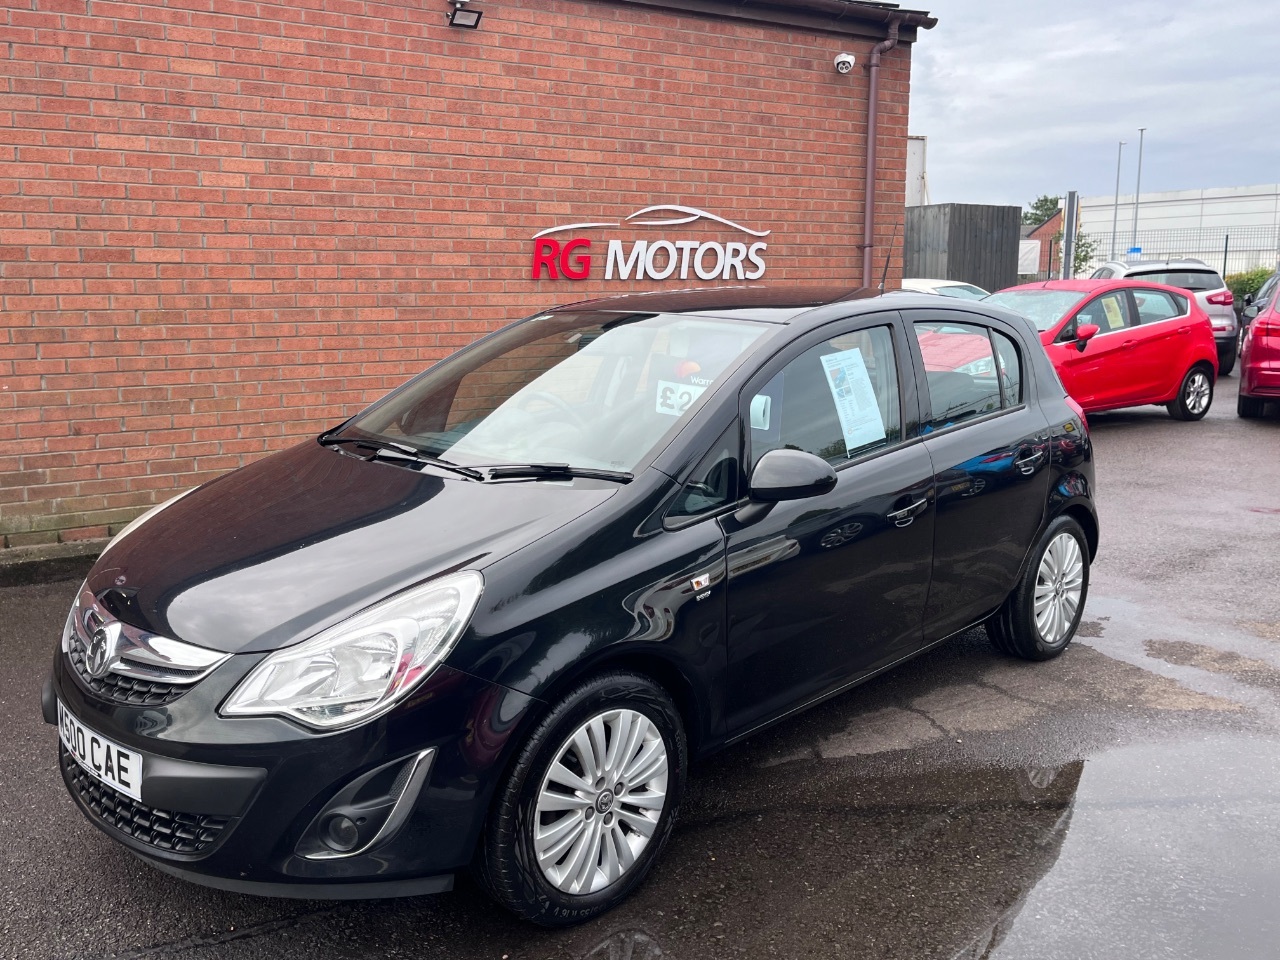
{"type": "Point", "coordinates": [1251, 310]}
{"type": "Point", "coordinates": [1248, 299]}
{"type": "Point", "coordinates": [790, 475]}
{"type": "Point", "coordinates": [1084, 333]}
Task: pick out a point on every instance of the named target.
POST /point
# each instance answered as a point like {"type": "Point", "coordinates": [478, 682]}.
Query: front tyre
{"type": "Point", "coordinates": [588, 804]}
{"type": "Point", "coordinates": [1040, 617]}
{"type": "Point", "coordinates": [1194, 396]}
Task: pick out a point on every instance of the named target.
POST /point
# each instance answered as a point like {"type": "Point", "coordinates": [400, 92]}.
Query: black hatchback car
{"type": "Point", "coordinates": [488, 622]}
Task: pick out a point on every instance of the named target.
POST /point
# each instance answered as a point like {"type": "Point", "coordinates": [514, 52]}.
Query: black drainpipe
{"type": "Point", "coordinates": [873, 105]}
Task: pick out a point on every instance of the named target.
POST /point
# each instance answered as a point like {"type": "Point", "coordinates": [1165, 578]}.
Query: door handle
{"type": "Point", "coordinates": [903, 517]}
{"type": "Point", "coordinates": [1129, 344]}
{"type": "Point", "coordinates": [1027, 464]}
{"type": "Point", "coordinates": [1184, 329]}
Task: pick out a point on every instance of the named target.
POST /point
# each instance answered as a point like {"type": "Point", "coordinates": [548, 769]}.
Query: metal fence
{"type": "Point", "coordinates": [1228, 250]}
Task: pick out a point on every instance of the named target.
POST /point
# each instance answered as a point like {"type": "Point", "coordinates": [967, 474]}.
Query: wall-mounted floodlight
{"type": "Point", "coordinates": [461, 16]}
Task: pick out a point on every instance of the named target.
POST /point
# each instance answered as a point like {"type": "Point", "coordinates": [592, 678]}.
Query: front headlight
{"type": "Point", "coordinates": [359, 668]}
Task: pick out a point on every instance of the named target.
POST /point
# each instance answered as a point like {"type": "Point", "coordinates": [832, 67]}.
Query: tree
{"type": "Point", "coordinates": [1086, 250]}
{"type": "Point", "coordinates": [1041, 209]}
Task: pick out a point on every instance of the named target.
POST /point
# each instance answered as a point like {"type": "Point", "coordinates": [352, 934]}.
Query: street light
{"type": "Point", "coordinates": [1137, 192]}
{"type": "Point", "coordinates": [1115, 210]}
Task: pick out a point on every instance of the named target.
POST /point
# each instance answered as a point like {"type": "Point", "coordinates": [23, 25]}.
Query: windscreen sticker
{"type": "Point", "coordinates": [675, 398]}
{"type": "Point", "coordinates": [855, 398]}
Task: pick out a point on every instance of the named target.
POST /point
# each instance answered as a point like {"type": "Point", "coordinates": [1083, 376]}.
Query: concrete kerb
{"type": "Point", "coordinates": [46, 563]}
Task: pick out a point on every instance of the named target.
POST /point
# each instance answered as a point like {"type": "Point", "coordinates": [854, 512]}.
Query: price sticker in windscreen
{"type": "Point", "coordinates": [675, 398]}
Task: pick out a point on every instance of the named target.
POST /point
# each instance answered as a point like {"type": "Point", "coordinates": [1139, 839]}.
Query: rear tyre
{"type": "Point", "coordinates": [1040, 617]}
{"type": "Point", "coordinates": [1227, 360]}
{"type": "Point", "coordinates": [1195, 396]}
{"type": "Point", "coordinates": [588, 804]}
{"type": "Point", "coordinates": [1250, 407]}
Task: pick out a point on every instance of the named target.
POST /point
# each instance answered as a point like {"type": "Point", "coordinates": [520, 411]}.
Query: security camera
{"type": "Point", "coordinates": [845, 62]}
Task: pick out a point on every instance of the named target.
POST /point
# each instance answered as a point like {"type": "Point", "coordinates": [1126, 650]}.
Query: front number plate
{"type": "Point", "coordinates": [109, 762]}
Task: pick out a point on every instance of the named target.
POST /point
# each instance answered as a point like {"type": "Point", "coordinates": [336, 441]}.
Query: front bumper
{"type": "Point", "coordinates": [236, 803]}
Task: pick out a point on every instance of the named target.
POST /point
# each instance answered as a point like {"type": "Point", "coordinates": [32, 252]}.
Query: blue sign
{"type": "Point", "coordinates": [1135, 249]}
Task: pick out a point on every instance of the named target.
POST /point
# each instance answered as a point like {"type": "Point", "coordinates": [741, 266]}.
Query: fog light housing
{"type": "Point", "coordinates": [367, 812]}
{"type": "Point", "coordinates": [341, 835]}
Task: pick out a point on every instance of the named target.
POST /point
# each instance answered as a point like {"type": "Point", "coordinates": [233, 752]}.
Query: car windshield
{"type": "Point", "coordinates": [591, 390]}
{"type": "Point", "coordinates": [1186, 279]}
{"type": "Point", "coordinates": [962, 291]}
{"type": "Point", "coordinates": [1044, 308]}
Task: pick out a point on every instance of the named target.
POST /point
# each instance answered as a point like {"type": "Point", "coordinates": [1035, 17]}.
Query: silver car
{"type": "Point", "coordinates": [1197, 278]}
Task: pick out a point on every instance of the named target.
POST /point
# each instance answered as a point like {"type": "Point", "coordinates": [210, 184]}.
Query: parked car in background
{"type": "Point", "coordinates": [1197, 278]}
{"type": "Point", "coordinates": [1122, 343]}
{"type": "Point", "coordinates": [945, 288]}
{"type": "Point", "coordinates": [488, 622]}
{"type": "Point", "coordinates": [1260, 351]}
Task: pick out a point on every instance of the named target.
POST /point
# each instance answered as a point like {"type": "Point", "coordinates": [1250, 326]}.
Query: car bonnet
{"type": "Point", "coordinates": [270, 554]}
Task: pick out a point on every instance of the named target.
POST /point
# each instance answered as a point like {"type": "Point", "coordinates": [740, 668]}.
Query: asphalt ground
{"type": "Point", "coordinates": [1120, 801]}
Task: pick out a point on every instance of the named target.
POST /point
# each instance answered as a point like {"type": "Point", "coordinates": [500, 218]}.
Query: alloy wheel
{"type": "Point", "coordinates": [600, 802]}
{"type": "Point", "coordinates": [1196, 397]}
{"type": "Point", "coordinates": [1059, 585]}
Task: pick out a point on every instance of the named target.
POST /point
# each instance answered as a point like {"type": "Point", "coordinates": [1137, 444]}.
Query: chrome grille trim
{"type": "Point", "coordinates": [139, 654]}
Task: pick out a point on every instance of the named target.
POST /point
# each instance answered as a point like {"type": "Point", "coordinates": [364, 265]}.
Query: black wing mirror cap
{"type": "Point", "coordinates": [790, 475]}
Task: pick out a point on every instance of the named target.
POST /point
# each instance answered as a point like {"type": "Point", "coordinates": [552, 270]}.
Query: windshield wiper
{"type": "Point", "coordinates": [390, 450]}
{"type": "Point", "coordinates": [551, 471]}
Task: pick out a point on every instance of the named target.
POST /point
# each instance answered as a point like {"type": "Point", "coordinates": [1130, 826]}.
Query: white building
{"type": "Point", "coordinates": [1238, 225]}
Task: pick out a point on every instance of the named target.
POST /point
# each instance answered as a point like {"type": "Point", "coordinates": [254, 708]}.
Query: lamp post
{"type": "Point", "coordinates": [1137, 190]}
{"type": "Point", "coordinates": [1115, 210]}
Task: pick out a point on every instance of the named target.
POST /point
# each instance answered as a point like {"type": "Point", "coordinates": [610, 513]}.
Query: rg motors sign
{"type": "Point", "coordinates": [560, 253]}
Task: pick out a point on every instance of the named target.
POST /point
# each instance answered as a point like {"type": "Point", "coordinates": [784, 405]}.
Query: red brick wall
{"type": "Point", "coordinates": [226, 224]}
{"type": "Point", "coordinates": [1045, 233]}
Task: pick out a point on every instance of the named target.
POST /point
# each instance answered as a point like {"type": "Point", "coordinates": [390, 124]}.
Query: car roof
{"type": "Point", "coordinates": [1096, 286]}
{"type": "Point", "coordinates": [797, 305]}
{"type": "Point", "coordinates": [771, 304]}
{"type": "Point", "coordinates": [1080, 285]}
{"type": "Point", "coordinates": [1176, 263]}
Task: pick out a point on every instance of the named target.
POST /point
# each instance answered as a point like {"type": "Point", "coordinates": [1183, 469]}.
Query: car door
{"type": "Point", "coordinates": [989, 444]}
{"type": "Point", "coordinates": [824, 590]}
{"type": "Point", "coordinates": [1159, 355]}
{"type": "Point", "coordinates": [1098, 377]}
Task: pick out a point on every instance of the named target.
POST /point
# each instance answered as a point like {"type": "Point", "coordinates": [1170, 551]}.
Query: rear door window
{"type": "Point", "coordinates": [960, 367]}
{"type": "Point", "coordinates": [1156, 305]}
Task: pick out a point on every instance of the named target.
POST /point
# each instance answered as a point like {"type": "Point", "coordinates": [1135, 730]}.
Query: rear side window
{"type": "Point", "coordinates": [838, 400]}
{"type": "Point", "coordinates": [1010, 367]}
{"type": "Point", "coordinates": [1156, 305]}
{"type": "Point", "coordinates": [1186, 279]}
{"type": "Point", "coordinates": [960, 366]}
{"type": "Point", "coordinates": [1102, 273]}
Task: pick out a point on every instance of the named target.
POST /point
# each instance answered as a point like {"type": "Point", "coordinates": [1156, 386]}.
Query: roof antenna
{"type": "Point", "coordinates": [885, 272]}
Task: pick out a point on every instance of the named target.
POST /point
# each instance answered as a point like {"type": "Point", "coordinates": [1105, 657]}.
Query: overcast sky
{"type": "Point", "coordinates": [1024, 97]}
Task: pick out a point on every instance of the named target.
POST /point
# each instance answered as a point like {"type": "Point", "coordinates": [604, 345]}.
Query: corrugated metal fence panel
{"type": "Point", "coordinates": [974, 243]}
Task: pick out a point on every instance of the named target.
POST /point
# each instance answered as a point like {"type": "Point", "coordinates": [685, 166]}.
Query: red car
{"type": "Point", "coordinates": [1260, 353]}
{"type": "Point", "coordinates": [1122, 343]}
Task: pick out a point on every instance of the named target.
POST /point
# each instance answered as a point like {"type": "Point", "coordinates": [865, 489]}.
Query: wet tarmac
{"type": "Point", "coordinates": [1122, 801]}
